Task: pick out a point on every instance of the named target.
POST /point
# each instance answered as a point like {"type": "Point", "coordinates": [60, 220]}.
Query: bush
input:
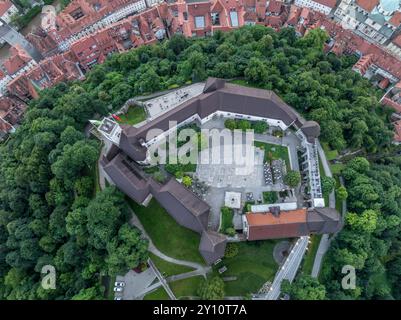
{"type": "Point", "coordinates": [212, 289]}
{"type": "Point", "coordinates": [260, 127]}
{"type": "Point", "coordinates": [243, 125]}
{"type": "Point", "coordinates": [278, 133]}
{"type": "Point", "coordinates": [230, 124]}
{"type": "Point", "coordinates": [187, 181]}
{"type": "Point", "coordinates": [292, 179]}
{"type": "Point", "coordinates": [270, 197]}
{"type": "Point", "coordinates": [179, 174]}
{"type": "Point", "coordinates": [231, 250]}
{"type": "Point", "coordinates": [230, 232]}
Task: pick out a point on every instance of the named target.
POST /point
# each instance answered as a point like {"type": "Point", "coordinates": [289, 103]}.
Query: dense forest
{"type": "Point", "coordinates": [51, 211]}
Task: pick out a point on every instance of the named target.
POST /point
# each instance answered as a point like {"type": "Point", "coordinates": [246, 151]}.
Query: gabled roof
{"type": "Point", "coordinates": [212, 246]}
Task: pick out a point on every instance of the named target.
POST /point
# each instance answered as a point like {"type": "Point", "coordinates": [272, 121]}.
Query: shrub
{"type": "Point", "coordinates": [231, 250]}
{"type": "Point", "coordinates": [230, 124]}
{"type": "Point", "coordinates": [187, 181]}
{"type": "Point", "coordinates": [260, 126]}
{"type": "Point", "coordinates": [230, 232]}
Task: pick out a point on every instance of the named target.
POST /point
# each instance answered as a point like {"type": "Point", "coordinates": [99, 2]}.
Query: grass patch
{"type": "Point", "coordinates": [134, 115]}
{"type": "Point", "coordinates": [330, 154]}
{"type": "Point", "coordinates": [186, 287]}
{"type": "Point", "coordinates": [253, 266]}
{"type": "Point", "coordinates": [336, 168]}
{"type": "Point", "coordinates": [226, 220]}
{"type": "Point", "coordinates": [270, 197]}
{"type": "Point", "coordinates": [167, 235]}
{"type": "Point", "coordinates": [159, 294]}
{"type": "Point", "coordinates": [311, 253]}
{"type": "Point", "coordinates": [168, 268]}
{"type": "Point", "coordinates": [274, 152]}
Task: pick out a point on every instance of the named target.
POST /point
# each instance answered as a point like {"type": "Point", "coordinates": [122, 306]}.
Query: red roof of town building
{"type": "Point", "coordinates": [327, 3]}
{"type": "Point", "coordinates": [396, 19]}
{"type": "Point", "coordinates": [275, 6]}
{"type": "Point", "coordinates": [397, 131]}
{"type": "Point", "coordinates": [4, 6]}
{"type": "Point", "coordinates": [368, 5]}
{"type": "Point", "coordinates": [17, 60]}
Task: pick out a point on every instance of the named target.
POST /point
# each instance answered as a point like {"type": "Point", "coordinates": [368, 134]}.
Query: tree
{"type": "Point", "coordinates": [231, 250]}
{"type": "Point", "coordinates": [365, 222]}
{"type": "Point", "coordinates": [126, 251]}
{"type": "Point", "coordinates": [328, 184]}
{"type": "Point", "coordinates": [230, 124]}
{"type": "Point", "coordinates": [187, 181]}
{"type": "Point", "coordinates": [292, 178]}
{"type": "Point", "coordinates": [244, 125]}
{"type": "Point", "coordinates": [304, 287]}
{"type": "Point", "coordinates": [260, 126]}
{"type": "Point", "coordinates": [256, 71]}
{"type": "Point", "coordinates": [341, 193]}
{"type": "Point", "coordinates": [212, 289]}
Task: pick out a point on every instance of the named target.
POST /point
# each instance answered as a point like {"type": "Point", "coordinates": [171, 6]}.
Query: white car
{"type": "Point", "coordinates": [118, 298]}
{"type": "Point", "coordinates": [119, 284]}
{"type": "Point", "coordinates": [118, 289]}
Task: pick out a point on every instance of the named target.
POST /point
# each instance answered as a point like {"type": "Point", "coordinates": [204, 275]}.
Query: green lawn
{"type": "Point", "coordinates": [226, 220]}
{"type": "Point", "coordinates": [167, 235]}
{"type": "Point", "coordinates": [270, 197]}
{"type": "Point", "coordinates": [274, 152]}
{"type": "Point", "coordinates": [253, 266]}
{"type": "Point", "coordinates": [336, 168]}
{"type": "Point", "coordinates": [330, 154]}
{"type": "Point", "coordinates": [311, 253]}
{"type": "Point", "coordinates": [169, 269]}
{"type": "Point", "coordinates": [159, 294]}
{"type": "Point", "coordinates": [134, 115]}
{"type": "Point", "coordinates": [186, 287]}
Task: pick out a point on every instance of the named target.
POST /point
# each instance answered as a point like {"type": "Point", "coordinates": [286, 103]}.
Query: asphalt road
{"type": "Point", "coordinates": [288, 270]}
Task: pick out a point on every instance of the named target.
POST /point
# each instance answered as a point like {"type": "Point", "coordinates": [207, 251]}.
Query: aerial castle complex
{"type": "Point", "coordinates": [129, 154]}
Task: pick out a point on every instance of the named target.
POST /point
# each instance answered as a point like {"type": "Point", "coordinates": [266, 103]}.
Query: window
{"type": "Point", "coordinates": [215, 18]}
{"type": "Point", "coordinates": [185, 14]}
{"type": "Point", "coordinates": [234, 18]}
{"type": "Point", "coordinates": [199, 22]}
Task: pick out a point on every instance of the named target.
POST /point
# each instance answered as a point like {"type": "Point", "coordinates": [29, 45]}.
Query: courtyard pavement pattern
{"type": "Point", "coordinates": [227, 176]}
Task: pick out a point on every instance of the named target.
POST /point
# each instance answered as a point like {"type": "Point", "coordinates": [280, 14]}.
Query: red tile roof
{"type": "Point", "coordinates": [368, 5]}
{"type": "Point", "coordinates": [327, 3]}
{"type": "Point", "coordinates": [4, 6]}
{"type": "Point", "coordinates": [396, 19]}
{"type": "Point", "coordinates": [287, 224]}
{"type": "Point", "coordinates": [397, 130]}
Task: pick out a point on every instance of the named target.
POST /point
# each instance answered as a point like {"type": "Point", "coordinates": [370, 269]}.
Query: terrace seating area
{"type": "Point", "coordinates": [274, 173]}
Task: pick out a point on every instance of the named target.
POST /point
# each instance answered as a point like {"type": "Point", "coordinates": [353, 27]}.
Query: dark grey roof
{"type": "Point", "coordinates": [212, 84]}
{"type": "Point", "coordinates": [217, 95]}
{"type": "Point", "coordinates": [186, 197]}
{"type": "Point", "coordinates": [181, 203]}
{"type": "Point", "coordinates": [311, 129]}
{"type": "Point", "coordinates": [212, 246]}
{"type": "Point", "coordinates": [323, 220]}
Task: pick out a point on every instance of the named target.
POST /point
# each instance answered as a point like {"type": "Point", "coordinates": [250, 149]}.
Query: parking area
{"type": "Point", "coordinates": [135, 284]}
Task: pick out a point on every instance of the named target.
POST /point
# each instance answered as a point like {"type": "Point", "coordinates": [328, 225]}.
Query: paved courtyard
{"type": "Point", "coordinates": [229, 174]}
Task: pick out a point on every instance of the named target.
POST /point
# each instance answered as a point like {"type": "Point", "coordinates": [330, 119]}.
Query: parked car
{"type": "Point", "coordinates": [118, 298]}
{"type": "Point", "coordinates": [119, 284]}
{"type": "Point", "coordinates": [118, 289]}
